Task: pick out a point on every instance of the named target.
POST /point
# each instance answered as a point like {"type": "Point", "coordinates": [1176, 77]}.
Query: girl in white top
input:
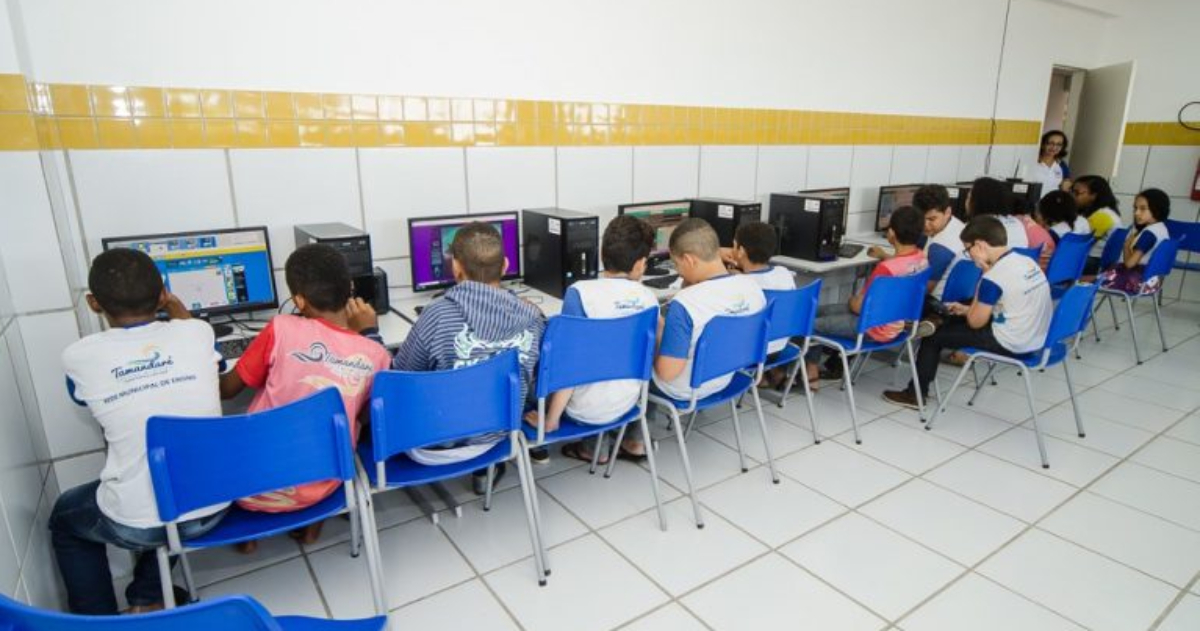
{"type": "Point", "coordinates": [1051, 170]}
{"type": "Point", "coordinates": [1098, 204]}
{"type": "Point", "coordinates": [1150, 211]}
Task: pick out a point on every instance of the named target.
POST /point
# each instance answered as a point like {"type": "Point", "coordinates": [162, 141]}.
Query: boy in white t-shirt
{"type": "Point", "coordinates": [1009, 316]}
{"type": "Point", "coordinates": [617, 293]}
{"type": "Point", "coordinates": [138, 368]}
{"type": "Point", "coordinates": [709, 291]}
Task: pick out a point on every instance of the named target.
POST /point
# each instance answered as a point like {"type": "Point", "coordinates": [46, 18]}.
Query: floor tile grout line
{"type": "Point", "coordinates": [312, 575]}
{"type": "Point", "coordinates": [1183, 594]}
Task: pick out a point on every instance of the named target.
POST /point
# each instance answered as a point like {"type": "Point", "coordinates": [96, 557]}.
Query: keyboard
{"type": "Point", "coordinates": [660, 282]}
{"type": "Point", "coordinates": [233, 348]}
{"type": "Point", "coordinates": [656, 271]}
{"type": "Point", "coordinates": [850, 250]}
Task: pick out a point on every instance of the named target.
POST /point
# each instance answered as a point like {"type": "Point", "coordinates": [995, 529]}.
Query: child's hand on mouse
{"type": "Point", "coordinates": [877, 252]}
{"type": "Point", "coordinates": [360, 315]}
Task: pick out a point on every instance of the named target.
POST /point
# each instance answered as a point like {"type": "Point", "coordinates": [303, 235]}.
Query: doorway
{"type": "Point", "coordinates": [1091, 107]}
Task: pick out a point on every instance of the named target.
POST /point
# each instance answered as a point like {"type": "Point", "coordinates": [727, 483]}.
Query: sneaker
{"type": "Point", "coordinates": [904, 398]}
{"type": "Point", "coordinates": [539, 455]}
{"type": "Point", "coordinates": [479, 479]}
{"type": "Point", "coordinates": [925, 328]}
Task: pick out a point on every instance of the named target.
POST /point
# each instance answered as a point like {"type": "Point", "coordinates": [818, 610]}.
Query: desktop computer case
{"type": "Point", "coordinates": [810, 226]}
{"type": "Point", "coordinates": [561, 246]}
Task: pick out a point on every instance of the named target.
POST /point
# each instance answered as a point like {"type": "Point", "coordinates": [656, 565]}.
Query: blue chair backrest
{"type": "Point", "coordinates": [1072, 313]}
{"type": "Point", "coordinates": [1066, 264]}
{"type": "Point", "coordinates": [578, 351]}
{"type": "Point", "coordinates": [198, 462]}
{"type": "Point", "coordinates": [730, 343]}
{"type": "Point", "coordinates": [1033, 253]}
{"type": "Point", "coordinates": [227, 613]}
{"type": "Point", "coordinates": [417, 409]}
{"type": "Point", "coordinates": [1162, 259]}
{"type": "Point", "coordinates": [793, 311]}
{"type": "Point", "coordinates": [1112, 248]}
{"type": "Point", "coordinates": [1187, 232]}
{"type": "Point", "coordinates": [962, 281]}
{"type": "Point", "coordinates": [893, 299]}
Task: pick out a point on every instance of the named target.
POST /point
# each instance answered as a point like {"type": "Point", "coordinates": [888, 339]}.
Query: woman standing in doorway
{"type": "Point", "coordinates": [1051, 169]}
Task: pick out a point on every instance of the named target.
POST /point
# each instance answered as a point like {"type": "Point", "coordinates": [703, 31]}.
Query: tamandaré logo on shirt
{"type": "Point", "coordinates": [152, 363]}
{"type": "Point", "coordinates": [318, 353]}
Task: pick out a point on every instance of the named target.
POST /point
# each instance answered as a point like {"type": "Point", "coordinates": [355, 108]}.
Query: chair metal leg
{"type": "Point", "coordinates": [1096, 327]}
{"type": "Point", "coordinates": [189, 583]}
{"type": "Point", "coordinates": [532, 517]}
{"type": "Point", "coordinates": [979, 387]}
{"type": "Point", "coordinates": [1074, 402]}
{"type": "Point", "coordinates": [355, 535]}
{"type": "Point", "coordinates": [1075, 345]}
{"type": "Point", "coordinates": [912, 362]}
{"type": "Point", "coordinates": [859, 362]}
{"type": "Point", "coordinates": [616, 450]}
{"type": "Point", "coordinates": [944, 401]}
{"type": "Point", "coordinates": [691, 422]}
{"type": "Point", "coordinates": [164, 577]}
{"type": "Point", "coordinates": [650, 459]}
{"type": "Point", "coordinates": [487, 494]}
{"type": "Point", "coordinates": [1116, 323]}
{"type": "Point", "coordinates": [850, 395]}
{"type": "Point", "coordinates": [1037, 427]}
{"type": "Point", "coordinates": [687, 467]}
{"type": "Point", "coordinates": [1137, 351]}
{"type": "Point", "coordinates": [791, 378]}
{"type": "Point", "coordinates": [596, 449]}
{"type": "Point", "coordinates": [1162, 336]}
{"type": "Point", "coordinates": [762, 427]}
{"type": "Point", "coordinates": [812, 412]}
{"type": "Point", "coordinates": [370, 541]}
{"type": "Point", "coordinates": [737, 437]}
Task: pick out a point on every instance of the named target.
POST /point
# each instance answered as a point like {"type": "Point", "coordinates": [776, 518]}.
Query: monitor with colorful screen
{"type": "Point", "coordinates": [429, 239]}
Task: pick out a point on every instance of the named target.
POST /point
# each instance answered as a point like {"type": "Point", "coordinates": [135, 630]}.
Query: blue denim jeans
{"type": "Point", "coordinates": [80, 532]}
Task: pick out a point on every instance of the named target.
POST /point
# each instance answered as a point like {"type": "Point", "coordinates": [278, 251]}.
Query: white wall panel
{"type": "Point", "coordinates": [595, 179]}
{"type": "Point", "coordinates": [665, 173]}
{"type": "Point", "coordinates": [401, 183]}
{"type": "Point", "coordinates": [829, 166]}
{"type": "Point", "coordinates": [28, 239]}
{"type": "Point", "coordinates": [728, 171]}
{"type": "Point", "coordinates": [501, 178]}
{"type": "Point", "coordinates": [942, 167]}
{"type": "Point", "coordinates": [1131, 168]}
{"type": "Point", "coordinates": [70, 429]}
{"type": "Point", "coordinates": [781, 169]}
{"type": "Point", "coordinates": [908, 164]}
{"type": "Point", "coordinates": [1173, 169]}
{"type": "Point", "coordinates": [872, 168]}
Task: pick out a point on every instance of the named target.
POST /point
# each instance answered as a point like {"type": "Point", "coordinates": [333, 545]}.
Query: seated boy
{"type": "Point", "coordinates": [904, 233]}
{"type": "Point", "coordinates": [754, 244]}
{"type": "Point", "coordinates": [136, 369]}
{"type": "Point", "coordinates": [475, 320]}
{"type": "Point", "coordinates": [709, 291]}
{"type": "Point", "coordinates": [332, 343]}
{"type": "Point", "coordinates": [617, 293]}
{"type": "Point", "coordinates": [1009, 316]}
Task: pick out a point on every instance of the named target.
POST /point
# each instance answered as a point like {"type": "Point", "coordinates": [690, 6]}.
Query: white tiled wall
{"type": "Point", "coordinates": [728, 172]}
{"type": "Point", "coordinates": [147, 191]}
{"type": "Point", "coordinates": [280, 188]}
{"type": "Point", "coordinates": [942, 164]}
{"type": "Point", "coordinates": [908, 164]}
{"type": "Point", "coordinates": [1131, 169]}
{"type": "Point", "coordinates": [971, 159]}
{"type": "Point", "coordinates": [28, 241]}
{"type": "Point", "coordinates": [398, 184]}
{"type": "Point", "coordinates": [781, 169]}
{"type": "Point", "coordinates": [69, 428]}
{"type": "Point", "coordinates": [501, 178]}
{"type": "Point", "coordinates": [829, 166]}
{"type": "Point", "coordinates": [662, 173]}
{"type": "Point", "coordinates": [595, 179]}
{"type": "Point", "coordinates": [871, 167]}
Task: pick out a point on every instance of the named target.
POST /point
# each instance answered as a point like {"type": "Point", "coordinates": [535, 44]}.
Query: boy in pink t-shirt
{"type": "Point", "coordinates": [905, 229]}
{"type": "Point", "coordinates": [334, 342]}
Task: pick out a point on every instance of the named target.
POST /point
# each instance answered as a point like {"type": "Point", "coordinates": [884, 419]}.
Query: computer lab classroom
{"type": "Point", "coordinates": [529, 315]}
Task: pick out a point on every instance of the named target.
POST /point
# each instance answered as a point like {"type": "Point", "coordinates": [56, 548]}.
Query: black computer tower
{"type": "Point", "coordinates": [810, 225]}
{"type": "Point", "coordinates": [958, 199]}
{"type": "Point", "coordinates": [725, 215]}
{"type": "Point", "coordinates": [370, 282]}
{"type": "Point", "coordinates": [1025, 196]}
{"type": "Point", "coordinates": [561, 247]}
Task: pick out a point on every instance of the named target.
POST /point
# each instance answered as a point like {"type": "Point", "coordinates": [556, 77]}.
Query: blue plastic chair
{"type": "Point", "coordinates": [1188, 235]}
{"type": "Point", "coordinates": [889, 299]}
{"type": "Point", "coordinates": [962, 281]}
{"type": "Point", "coordinates": [412, 410]}
{"type": "Point", "coordinates": [578, 351]}
{"type": "Point", "coordinates": [1159, 266]}
{"type": "Point", "coordinates": [1112, 248]}
{"type": "Point", "coordinates": [793, 314]}
{"type": "Point", "coordinates": [1069, 321]}
{"type": "Point", "coordinates": [1033, 253]}
{"type": "Point", "coordinates": [227, 613]}
{"type": "Point", "coordinates": [1067, 262]}
{"type": "Point", "coordinates": [727, 345]}
{"type": "Point", "coordinates": [200, 462]}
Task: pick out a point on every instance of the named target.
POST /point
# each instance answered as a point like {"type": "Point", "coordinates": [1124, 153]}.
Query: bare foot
{"type": "Point", "coordinates": [309, 534]}
{"type": "Point", "coordinates": [247, 547]}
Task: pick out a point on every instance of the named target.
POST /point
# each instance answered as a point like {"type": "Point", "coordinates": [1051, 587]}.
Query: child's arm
{"type": "Point", "coordinates": [674, 342]}
{"type": "Point", "coordinates": [1136, 247]}
{"type": "Point", "coordinates": [252, 367]}
{"type": "Point", "coordinates": [231, 384]}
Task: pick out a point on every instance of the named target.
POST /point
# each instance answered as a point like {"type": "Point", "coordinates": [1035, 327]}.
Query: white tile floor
{"type": "Point", "coordinates": [954, 528]}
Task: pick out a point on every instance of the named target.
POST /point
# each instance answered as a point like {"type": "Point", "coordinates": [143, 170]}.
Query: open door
{"type": "Point", "coordinates": [1100, 127]}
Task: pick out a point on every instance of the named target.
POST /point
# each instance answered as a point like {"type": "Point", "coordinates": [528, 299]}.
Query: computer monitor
{"type": "Point", "coordinates": [841, 191]}
{"type": "Point", "coordinates": [891, 198]}
{"type": "Point", "coordinates": [212, 272]}
{"type": "Point", "coordinates": [429, 240]}
{"type": "Point", "coordinates": [663, 217]}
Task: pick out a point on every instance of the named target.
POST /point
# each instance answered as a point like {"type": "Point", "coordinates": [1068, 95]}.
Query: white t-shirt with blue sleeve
{"type": "Point", "coordinates": [688, 314]}
{"type": "Point", "coordinates": [1017, 236]}
{"type": "Point", "coordinates": [601, 403]}
{"type": "Point", "coordinates": [1019, 295]}
{"type": "Point", "coordinates": [942, 250]}
{"type": "Point", "coordinates": [774, 278]}
{"type": "Point", "coordinates": [1149, 238]}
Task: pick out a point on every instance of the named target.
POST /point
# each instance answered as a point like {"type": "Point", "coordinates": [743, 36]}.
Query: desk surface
{"type": "Point", "coordinates": [823, 267]}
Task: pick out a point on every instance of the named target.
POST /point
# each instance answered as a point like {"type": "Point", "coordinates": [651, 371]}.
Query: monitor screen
{"type": "Point", "coordinates": [843, 191]}
{"type": "Point", "coordinates": [891, 198]}
{"type": "Point", "coordinates": [429, 239]}
{"type": "Point", "coordinates": [216, 272]}
{"type": "Point", "coordinates": [663, 217]}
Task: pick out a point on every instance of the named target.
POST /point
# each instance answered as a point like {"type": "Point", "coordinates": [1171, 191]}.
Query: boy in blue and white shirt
{"type": "Point", "coordinates": [754, 244]}
{"type": "Point", "coordinates": [474, 321]}
{"type": "Point", "coordinates": [1009, 316]}
{"type": "Point", "coordinates": [626, 245]}
{"type": "Point", "coordinates": [709, 291]}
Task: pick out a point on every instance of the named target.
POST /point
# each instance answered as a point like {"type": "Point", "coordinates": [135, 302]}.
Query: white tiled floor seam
{"type": "Point", "coordinates": [755, 465]}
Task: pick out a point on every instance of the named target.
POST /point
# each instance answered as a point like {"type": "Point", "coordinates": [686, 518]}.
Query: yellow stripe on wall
{"type": "Point", "coordinates": [70, 116]}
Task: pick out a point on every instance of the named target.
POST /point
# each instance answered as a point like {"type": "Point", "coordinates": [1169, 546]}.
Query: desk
{"type": "Point", "coordinates": [841, 276]}
{"type": "Point", "coordinates": [405, 302]}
